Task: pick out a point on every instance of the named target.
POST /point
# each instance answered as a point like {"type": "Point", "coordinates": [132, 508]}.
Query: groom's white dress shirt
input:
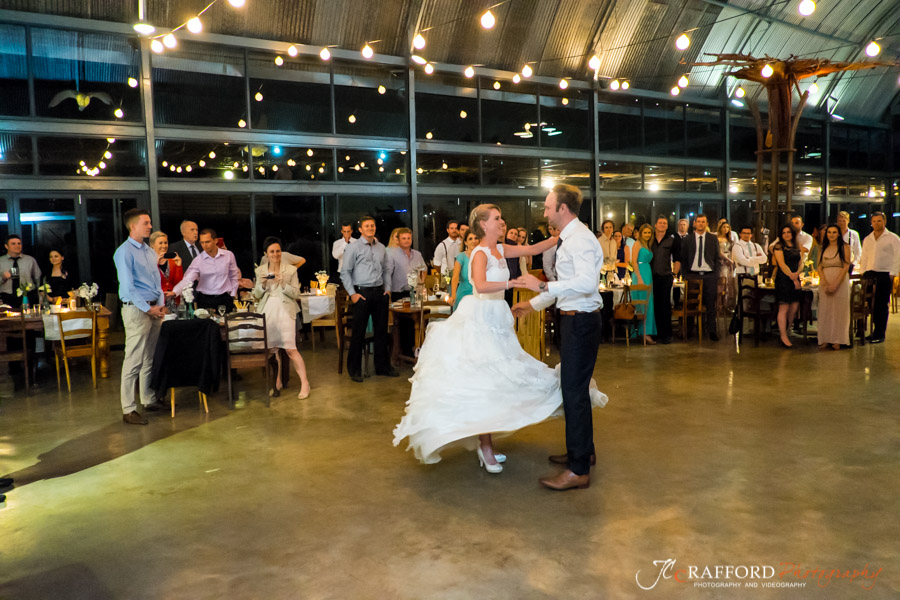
{"type": "Point", "coordinates": [748, 256]}
{"type": "Point", "coordinates": [579, 260]}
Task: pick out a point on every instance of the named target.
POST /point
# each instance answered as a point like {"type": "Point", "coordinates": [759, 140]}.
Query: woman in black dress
{"type": "Point", "coordinates": [59, 277]}
{"type": "Point", "coordinates": [788, 258]}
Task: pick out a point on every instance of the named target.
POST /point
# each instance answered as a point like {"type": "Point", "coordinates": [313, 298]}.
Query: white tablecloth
{"type": "Point", "coordinates": [51, 326]}
{"type": "Point", "coordinates": [314, 306]}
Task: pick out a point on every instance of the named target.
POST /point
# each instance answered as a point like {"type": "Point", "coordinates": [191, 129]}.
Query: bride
{"type": "Point", "coordinates": [477, 349]}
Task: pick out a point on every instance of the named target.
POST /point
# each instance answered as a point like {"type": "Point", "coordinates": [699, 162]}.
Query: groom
{"type": "Point", "coordinates": [579, 259]}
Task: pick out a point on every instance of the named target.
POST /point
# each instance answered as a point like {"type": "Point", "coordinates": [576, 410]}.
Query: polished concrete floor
{"type": "Point", "coordinates": [706, 457]}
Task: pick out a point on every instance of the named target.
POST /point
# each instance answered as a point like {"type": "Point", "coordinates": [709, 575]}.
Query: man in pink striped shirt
{"type": "Point", "coordinates": [216, 273]}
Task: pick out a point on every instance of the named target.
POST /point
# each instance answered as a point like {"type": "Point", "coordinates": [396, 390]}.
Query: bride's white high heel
{"type": "Point", "coordinates": [487, 467]}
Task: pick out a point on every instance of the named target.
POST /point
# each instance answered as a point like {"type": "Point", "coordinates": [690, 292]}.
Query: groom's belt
{"type": "Point", "coordinates": [569, 313]}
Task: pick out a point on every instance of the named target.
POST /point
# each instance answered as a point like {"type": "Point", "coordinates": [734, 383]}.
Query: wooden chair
{"type": "Point", "coordinates": [530, 329]}
{"type": "Point", "coordinates": [750, 306]}
{"type": "Point", "coordinates": [15, 329]}
{"type": "Point", "coordinates": [326, 321]}
{"type": "Point", "coordinates": [640, 312]}
{"type": "Point", "coordinates": [862, 296]}
{"type": "Point", "coordinates": [691, 307]}
{"type": "Point", "coordinates": [247, 346]}
{"type": "Point", "coordinates": [345, 321]}
{"type": "Point", "coordinates": [76, 341]}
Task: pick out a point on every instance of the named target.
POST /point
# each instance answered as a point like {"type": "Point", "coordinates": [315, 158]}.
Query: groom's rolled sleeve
{"type": "Point", "coordinates": [583, 260]}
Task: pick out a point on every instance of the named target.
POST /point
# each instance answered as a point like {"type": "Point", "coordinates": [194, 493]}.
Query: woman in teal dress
{"type": "Point", "coordinates": [641, 256]}
{"type": "Point", "coordinates": [460, 286]}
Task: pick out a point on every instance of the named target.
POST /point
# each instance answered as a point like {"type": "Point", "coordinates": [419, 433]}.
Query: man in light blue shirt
{"type": "Point", "coordinates": [140, 291]}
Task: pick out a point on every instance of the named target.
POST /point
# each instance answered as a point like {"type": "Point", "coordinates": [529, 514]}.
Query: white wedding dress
{"type": "Point", "coordinates": [473, 377]}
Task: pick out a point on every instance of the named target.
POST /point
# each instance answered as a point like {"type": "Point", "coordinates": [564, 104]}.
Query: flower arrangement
{"type": "Point", "coordinates": [412, 278]}
{"type": "Point", "coordinates": [322, 278]}
{"type": "Point", "coordinates": [188, 295]}
{"type": "Point", "coordinates": [44, 287]}
{"type": "Point", "coordinates": [87, 291]}
{"type": "Point", "coordinates": [24, 288]}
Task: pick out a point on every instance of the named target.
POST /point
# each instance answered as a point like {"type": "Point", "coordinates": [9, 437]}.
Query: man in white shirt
{"type": "Point", "coordinates": [579, 259]}
{"type": "Point", "coordinates": [700, 259]}
{"type": "Point", "coordinates": [548, 257]}
{"type": "Point", "coordinates": [804, 239]}
{"type": "Point", "coordinates": [747, 255]}
{"type": "Point", "coordinates": [880, 262]}
{"type": "Point", "coordinates": [446, 251]}
{"type": "Point", "coordinates": [340, 245]}
{"type": "Point", "coordinates": [850, 236]}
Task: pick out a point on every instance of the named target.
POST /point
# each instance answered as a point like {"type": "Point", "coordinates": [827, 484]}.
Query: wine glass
{"type": "Point", "coordinates": [221, 310]}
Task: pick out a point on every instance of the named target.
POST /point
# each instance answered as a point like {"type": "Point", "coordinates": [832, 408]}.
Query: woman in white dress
{"type": "Point", "coordinates": [276, 290]}
{"type": "Point", "coordinates": [507, 388]}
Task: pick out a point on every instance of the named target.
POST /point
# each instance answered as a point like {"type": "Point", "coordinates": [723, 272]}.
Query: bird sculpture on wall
{"type": "Point", "coordinates": [81, 99]}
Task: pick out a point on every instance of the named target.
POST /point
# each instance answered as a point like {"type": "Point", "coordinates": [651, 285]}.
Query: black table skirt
{"type": "Point", "coordinates": [189, 353]}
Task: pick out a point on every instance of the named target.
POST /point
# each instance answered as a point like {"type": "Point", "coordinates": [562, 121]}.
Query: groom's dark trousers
{"type": "Point", "coordinates": [580, 336]}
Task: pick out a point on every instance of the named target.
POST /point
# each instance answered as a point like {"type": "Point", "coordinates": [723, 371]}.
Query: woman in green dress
{"type": "Point", "coordinates": [643, 275]}
{"type": "Point", "coordinates": [460, 286]}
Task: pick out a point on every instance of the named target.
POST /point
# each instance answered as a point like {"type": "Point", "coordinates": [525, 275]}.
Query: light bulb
{"type": "Point", "coordinates": [178, 170]}
{"type": "Point", "coordinates": [340, 169]}
{"type": "Point", "coordinates": [429, 135]}
{"type": "Point", "coordinates": [202, 163]}
{"type": "Point", "coordinates": [274, 168]}
{"type": "Point", "coordinates": [235, 164]}
{"type": "Point", "coordinates": [463, 114]}
{"type": "Point", "coordinates": [683, 42]}
{"type": "Point", "coordinates": [418, 42]}
{"type": "Point", "coordinates": [767, 71]}
{"type": "Point", "coordinates": [594, 63]}
{"type": "Point", "coordinates": [352, 118]}
{"type": "Point", "coordinates": [614, 85]}
{"type": "Point", "coordinates": [292, 50]}
{"type": "Point", "coordinates": [157, 46]}
{"type": "Point", "coordinates": [516, 78]}
{"type": "Point", "coordinates": [258, 97]}
{"type": "Point", "coordinates": [444, 166]}
{"type": "Point", "coordinates": [309, 152]}
{"type": "Point", "coordinates": [380, 169]}
{"type": "Point", "coordinates": [212, 154]}
{"type": "Point", "coordinates": [169, 41]}
{"type": "Point", "coordinates": [367, 51]}
{"type": "Point", "coordinates": [496, 85]}
{"type": "Point", "coordinates": [242, 123]}
{"type": "Point", "coordinates": [814, 89]}
{"type": "Point", "coordinates": [420, 170]}
{"type": "Point", "coordinates": [279, 61]}
{"type": "Point", "coordinates": [429, 69]}
{"type": "Point", "coordinates": [119, 113]}
{"type": "Point", "coordinates": [488, 20]}
{"type": "Point", "coordinates": [325, 54]}
{"type": "Point", "coordinates": [107, 154]}
{"type": "Point", "coordinates": [382, 89]}
{"type": "Point", "coordinates": [132, 82]}
{"type": "Point", "coordinates": [144, 29]}
{"type": "Point", "coordinates": [565, 101]}
{"type": "Point", "coordinates": [188, 168]}
{"type": "Point", "coordinates": [873, 49]}
{"type": "Point", "coordinates": [380, 161]}
{"type": "Point", "coordinates": [625, 85]}
{"type": "Point", "coordinates": [172, 168]}
{"type": "Point", "coordinates": [195, 25]}
{"type": "Point", "coordinates": [740, 92]}
{"type": "Point", "coordinates": [236, 4]}
{"type": "Point", "coordinates": [675, 91]}
{"type": "Point", "coordinates": [527, 71]}
{"type": "Point", "coordinates": [563, 84]}
{"type": "Point", "coordinates": [806, 7]}
{"type": "Point", "coordinates": [228, 175]}
{"type": "Point", "coordinates": [683, 81]}
{"type": "Point", "coordinates": [469, 72]}
{"type": "Point", "coordinates": [321, 169]}
{"type": "Point", "coordinates": [418, 59]}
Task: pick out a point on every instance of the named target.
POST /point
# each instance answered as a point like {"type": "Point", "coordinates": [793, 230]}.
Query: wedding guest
{"type": "Point", "coordinates": [726, 268]}
{"type": "Point", "coordinates": [732, 235]}
{"type": "Point", "coordinates": [401, 260]}
{"type": "Point", "coordinates": [216, 274]}
{"type": "Point", "coordinates": [747, 255]}
{"type": "Point", "coordinates": [683, 228]}
{"type": "Point", "coordinates": [700, 260]}
{"type": "Point", "coordinates": [17, 269]}
{"type": "Point", "coordinates": [666, 262]}
{"type": "Point", "coordinates": [461, 285]}
{"type": "Point", "coordinates": [365, 278]}
{"type": "Point", "coordinates": [512, 263]}
{"type": "Point", "coordinates": [880, 262]}
{"type": "Point", "coordinates": [463, 229]}
{"type": "Point", "coordinates": [340, 245]}
{"type": "Point", "coordinates": [187, 248]}
{"type": "Point", "coordinates": [788, 260]}
{"type": "Point", "coordinates": [548, 258]}
{"type": "Point", "coordinates": [170, 269]}
{"type": "Point", "coordinates": [446, 251]}
{"type": "Point", "coordinates": [140, 291]}
{"type": "Point", "coordinates": [834, 290]}
{"type": "Point", "coordinates": [526, 261]}
{"type": "Point", "coordinates": [393, 240]}
{"type": "Point", "coordinates": [818, 234]}
{"type": "Point", "coordinates": [851, 238]}
{"type": "Point", "coordinates": [804, 240]}
{"type": "Point", "coordinates": [641, 257]}
{"type": "Point", "coordinates": [58, 279]}
{"type": "Point", "coordinates": [607, 239]}
{"type": "Point", "coordinates": [623, 255]}
{"type": "Point", "coordinates": [627, 234]}
{"type": "Point", "coordinates": [276, 290]}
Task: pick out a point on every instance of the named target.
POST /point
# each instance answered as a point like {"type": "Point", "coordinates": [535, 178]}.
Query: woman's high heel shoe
{"type": "Point", "coordinates": [483, 463]}
{"type": "Point", "coordinates": [302, 396]}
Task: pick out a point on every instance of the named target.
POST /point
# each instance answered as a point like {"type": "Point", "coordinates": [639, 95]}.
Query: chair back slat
{"type": "Point", "coordinates": [246, 333]}
{"type": "Point", "coordinates": [71, 328]}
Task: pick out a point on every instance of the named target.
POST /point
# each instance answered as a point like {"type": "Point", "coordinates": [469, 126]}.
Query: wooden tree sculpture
{"type": "Point", "coordinates": [779, 139]}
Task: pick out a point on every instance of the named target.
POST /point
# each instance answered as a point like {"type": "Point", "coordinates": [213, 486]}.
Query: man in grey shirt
{"type": "Point", "coordinates": [17, 269]}
{"type": "Point", "coordinates": [367, 281]}
{"type": "Point", "coordinates": [400, 261]}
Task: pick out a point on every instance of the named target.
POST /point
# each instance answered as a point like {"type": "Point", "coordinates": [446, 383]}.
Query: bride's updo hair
{"type": "Point", "coordinates": [480, 214]}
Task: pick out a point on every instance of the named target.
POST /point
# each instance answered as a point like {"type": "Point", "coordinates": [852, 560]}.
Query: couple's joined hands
{"type": "Point", "coordinates": [527, 281]}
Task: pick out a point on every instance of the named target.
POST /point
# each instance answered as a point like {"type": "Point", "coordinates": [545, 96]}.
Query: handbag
{"type": "Point", "coordinates": [624, 310]}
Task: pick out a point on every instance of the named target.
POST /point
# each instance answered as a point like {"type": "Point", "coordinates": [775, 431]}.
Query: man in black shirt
{"type": "Point", "coordinates": [666, 249]}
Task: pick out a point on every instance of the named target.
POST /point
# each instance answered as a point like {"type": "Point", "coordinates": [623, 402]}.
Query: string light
{"type": "Point", "coordinates": [516, 78]}
{"type": "Point", "coordinates": [119, 113]}
{"type": "Point", "coordinates": [177, 170]}
{"type": "Point", "coordinates": [806, 7]}
{"type": "Point", "coordinates": [496, 85]}
{"type": "Point", "coordinates": [172, 168]}
{"type": "Point", "coordinates": [740, 92]}
{"type": "Point", "coordinates": [132, 82]}
{"type": "Point", "coordinates": [279, 61]}
{"type": "Point", "coordinates": [292, 50]}
{"type": "Point", "coordinates": [565, 101]}
{"type": "Point", "coordinates": [683, 81]}
{"type": "Point", "coordinates": [418, 59]}
{"type": "Point", "coordinates": [420, 170]}
{"type": "Point", "coordinates": [767, 71]}
{"type": "Point", "coordinates": [675, 90]}
{"type": "Point", "coordinates": [212, 154]}
{"type": "Point", "coordinates": [444, 166]}
{"type": "Point", "coordinates": [164, 163]}
{"type": "Point", "coordinates": [382, 89]}
{"type": "Point", "coordinates": [527, 71]}
{"type": "Point", "coordinates": [325, 54]}
{"type": "Point", "coordinates": [429, 135]}
{"type": "Point", "coordinates": [469, 72]}
{"type": "Point", "coordinates": [169, 41]}
{"type": "Point", "coordinates": [242, 123]}
{"type": "Point", "coordinates": [188, 168]}
{"type": "Point", "coordinates": [814, 89]}
{"type": "Point", "coordinates": [202, 163]}
{"type": "Point", "coordinates": [594, 63]}
{"type": "Point", "coordinates": [367, 51]}
{"type": "Point", "coordinates": [463, 114]}
{"type": "Point", "coordinates": [258, 97]}
{"type": "Point", "coordinates": [144, 29]}
{"type": "Point", "coordinates": [274, 168]}
{"type": "Point", "coordinates": [429, 69]}
{"type": "Point", "coordinates": [625, 85]}
{"type": "Point", "coordinates": [419, 42]}
{"type": "Point", "coordinates": [873, 49]}
{"type": "Point", "coordinates": [309, 152]}
{"type": "Point", "coordinates": [157, 46]}
{"type": "Point", "coordinates": [228, 175]}
{"type": "Point", "coordinates": [682, 42]}
{"type": "Point", "coordinates": [487, 20]}
{"type": "Point", "coordinates": [397, 171]}
{"type": "Point", "coordinates": [352, 118]}
{"type": "Point", "coordinates": [107, 154]}
{"type": "Point", "coordinates": [563, 84]}
{"type": "Point", "coordinates": [195, 25]}
{"type": "Point", "coordinates": [614, 85]}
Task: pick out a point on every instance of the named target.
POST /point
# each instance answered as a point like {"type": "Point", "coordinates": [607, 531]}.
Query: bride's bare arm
{"type": "Point", "coordinates": [479, 280]}
{"type": "Point", "coordinates": [530, 250]}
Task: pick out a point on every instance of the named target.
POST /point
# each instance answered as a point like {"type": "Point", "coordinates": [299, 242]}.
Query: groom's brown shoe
{"type": "Point", "coordinates": [566, 481]}
{"type": "Point", "coordinates": [563, 459]}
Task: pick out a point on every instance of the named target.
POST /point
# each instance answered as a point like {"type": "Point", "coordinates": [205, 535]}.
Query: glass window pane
{"type": "Point", "coordinates": [13, 71]}
{"type": "Point", "coordinates": [858, 187]}
{"type": "Point", "coordinates": [81, 75]}
{"type": "Point", "coordinates": [879, 150]}
{"type": "Point", "coordinates": [107, 157]}
{"type": "Point", "coordinates": [105, 233]}
{"type": "Point", "coordinates": [390, 212]}
{"type": "Point", "coordinates": [704, 132]}
{"type": "Point", "coordinates": [570, 171]}
{"type": "Point", "coordinates": [663, 178]}
{"type": "Point", "coordinates": [49, 224]}
{"type": "Point", "coordinates": [15, 154]}
{"type": "Point", "coordinates": [809, 143]}
{"type": "Point", "coordinates": [200, 85]}
{"type": "Point", "coordinates": [447, 168]}
{"type": "Point", "coordinates": [703, 180]}
{"type": "Point", "coordinates": [807, 185]}
{"type": "Point", "coordinates": [567, 117]}
{"type": "Point", "coordinates": [619, 124]}
{"type": "Point", "coordinates": [371, 165]}
{"type": "Point", "coordinates": [203, 160]}
{"type": "Point", "coordinates": [743, 138]}
{"type": "Point", "coordinates": [293, 97]}
{"type": "Point", "coordinates": [742, 214]}
{"type": "Point", "coordinates": [742, 181]}
{"type": "Point", "coordinates": [620, 176]}
{"type": "Point", "coordinates": [839, 150]}
{"type": "Point", "coordinates": [508, 115]}
{"type": "Point", "coordinates": [435, 212]}
{"type": "Point", "coordinates": [285, 163]}
{"type": "Point", "coordinates": [510, 170]}
{"type": "Point", "coordinates": [663, 128]}
{"type": "Point", "coordinates": [441, 101]}
{"type": "Point", "coordinates": [370, 100]}
{"type": "Point", "coordinates": [297, 222]}
{"type": "Point", "coordinates": [877, 188]}
{"type": "Point", "coordinates": [228, 215]}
